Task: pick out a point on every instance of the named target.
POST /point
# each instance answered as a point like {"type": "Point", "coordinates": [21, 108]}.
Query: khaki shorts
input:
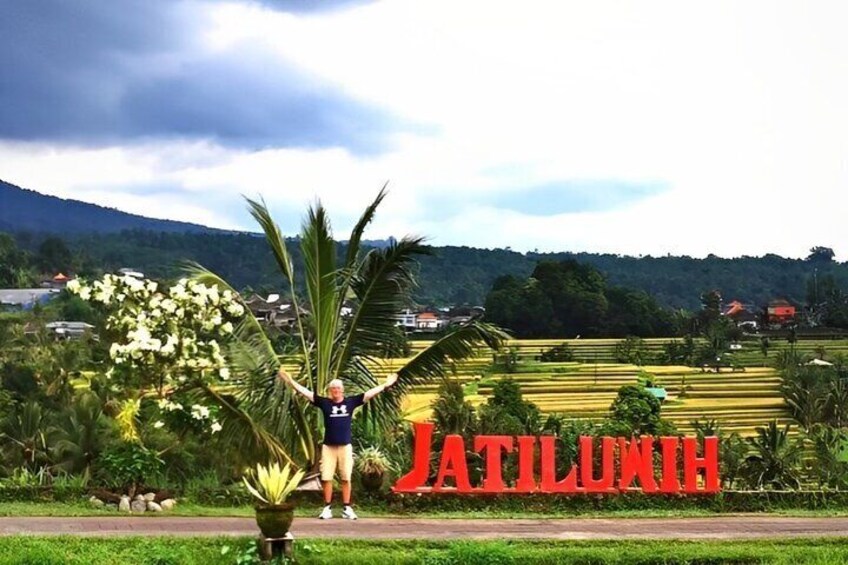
{"type": "Point", "coordinates": [333, 456]}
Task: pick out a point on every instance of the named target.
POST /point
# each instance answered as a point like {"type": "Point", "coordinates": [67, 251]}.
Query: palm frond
{"type": "Point", "coordinates": [356, 235]}
{"type": "Point", "coordinates": [319, 258]}
{"type": "Point", "coordinates": [255, 389]}
{"type": "Point", "coordinates": [433, 363]}
{"type": "Point", "coordinates": [238, 428]}
{"type": "Point", "coordinates": [277, 243]}
{"type": "Point", "coordinates": [383, 286]}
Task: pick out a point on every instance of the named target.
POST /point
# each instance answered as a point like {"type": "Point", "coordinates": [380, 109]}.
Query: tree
{"type": "Point", "coordinates": [710, 308]}
{"type": "Point", "coordinates": [821, 254]}
{"type": "Point", "coordinates": [507, 413]}
{"type": "Point", "coordinates": [567, 298]}
{"type": "Point", "coordinates": [827, 301]}
{"type": "Point", "coordinates": [53, 256]}
{"type": "Point", "coordinates": [14, 264]}
{"type": "Point", "coordinates": [636, 411]}
{"type": "Point", "coordinates": [264, 417]}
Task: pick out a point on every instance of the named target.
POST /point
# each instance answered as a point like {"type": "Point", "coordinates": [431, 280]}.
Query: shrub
{"type": "Point", "coordinates": [128, 466]}
{"type": "Point", "coordinates": [506, 412]}
{"type": "Point", "coordinates": [452, 414]}
{"type": "Point", "coordinates": [558, 354]}
{"type": "Point", "coordinates": [631, 350]}
{"type": "Point", "coordinates": [635, 410]}
{"type": "Point", "coordinates": [678, 352]}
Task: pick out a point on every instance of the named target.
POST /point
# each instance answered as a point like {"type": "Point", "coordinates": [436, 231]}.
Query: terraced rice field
{"type": "Point", "coordinates": [739, 400]}
{"type": "Point", "coordinates": [603, 350]}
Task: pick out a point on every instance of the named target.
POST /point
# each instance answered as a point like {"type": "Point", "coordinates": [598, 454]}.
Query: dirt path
{"type": "Point", "coordinates": [724, 527]}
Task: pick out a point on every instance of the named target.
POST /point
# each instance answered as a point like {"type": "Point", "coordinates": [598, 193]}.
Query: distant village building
{"type": "Point", "coordinates": [131, 272]}
{"type": "Point", "coordinates": [69, 330]}
{"type": "Point", "coordinates": [273, 311]}
{"type": "Point", "coordinates": [429, 321]}
{"type": "Point", "coordinates": [780, 313]}
{"type": "Point", "coordinates": [743, 315]}
{"type": "Point", "coordinates": [463, 314]}
{"type": "Point", "coordinates": [59, 281]}
{"type": "Point", "coordinates": [407, 320]}
{"type": "Point", "coordinates": [435, 319]}
{"type": "Point", "coordinates": [25, 298]}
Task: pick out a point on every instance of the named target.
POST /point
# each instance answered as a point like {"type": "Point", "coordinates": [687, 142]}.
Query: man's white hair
{"type": "Point", "coordinates": [336, 382]}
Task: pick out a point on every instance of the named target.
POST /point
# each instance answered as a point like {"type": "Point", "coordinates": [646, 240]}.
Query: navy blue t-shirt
{"type": "Point", "coordinates": [337, 417]}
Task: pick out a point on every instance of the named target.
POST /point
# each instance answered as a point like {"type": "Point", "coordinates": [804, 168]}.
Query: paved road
{"type": "Point", "coordinates": [724, 527]}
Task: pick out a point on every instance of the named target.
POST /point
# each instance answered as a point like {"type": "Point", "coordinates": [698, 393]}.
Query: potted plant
{"type": "Point", "coordinates": [271, 486]}
{"type": "Point", "coordinates": [372, 465]}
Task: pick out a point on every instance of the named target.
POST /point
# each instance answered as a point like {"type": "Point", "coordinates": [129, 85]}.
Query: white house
{"type": "Point", "coordinates": [407, 320]}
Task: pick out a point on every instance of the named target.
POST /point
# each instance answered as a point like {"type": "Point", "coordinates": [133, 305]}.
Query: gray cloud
{"type": "Point", "coordinates": [104, 72]}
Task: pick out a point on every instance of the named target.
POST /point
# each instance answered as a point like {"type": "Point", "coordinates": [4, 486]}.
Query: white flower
{"type": "Point", "coordinates": [216, 427]}
{"type": "Point", "coordinates": [73, 286]}
{"type": "Point", "coordinates": [235, 309]}
{"type": "Point", "coordinates": [227, 328]}
{"type": "Point", "coordinates": [224, 373]}
{"type": "Point", "coordinates": [199, 412]}
{"type": "Point", "coordinates": [158, 424]}
{"type": "Point", "coordinates": [170, 345]}
{"type": "Point", "coordinates": [85, 293]}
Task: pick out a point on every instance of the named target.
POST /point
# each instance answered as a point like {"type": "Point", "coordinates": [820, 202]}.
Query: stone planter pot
{"type": "Point", "coordinates": [275, 521]}
{"type": "Point", "coordinates": [372, 482]}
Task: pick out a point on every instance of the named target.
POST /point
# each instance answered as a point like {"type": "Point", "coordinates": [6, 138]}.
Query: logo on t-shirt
{"type": "Point", "coordinates": [339, 411]}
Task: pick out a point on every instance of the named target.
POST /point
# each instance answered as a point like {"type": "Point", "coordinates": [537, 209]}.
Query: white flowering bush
{"type": "Point", "coordinates": [165, 339]}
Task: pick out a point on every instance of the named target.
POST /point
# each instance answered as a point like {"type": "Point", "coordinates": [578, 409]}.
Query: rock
{"type": "Point", "coordinates": [168, 504]}
{"type": "Point", "coordinates": [138, 506]}
{"type": "Point", "coordinates": [95, 502]}
{"type": "Point", "coordinates": [124, 505]}
{"type": "Point", "coordinates": [139, 497]}
{"type": "Point", "coordinates": [153, 507]}
{"type": "Point", "coordinates": [150, 497]}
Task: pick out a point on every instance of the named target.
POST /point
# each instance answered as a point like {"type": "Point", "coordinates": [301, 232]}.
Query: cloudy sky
{"type": "Point", "coordinates": [629, 127]}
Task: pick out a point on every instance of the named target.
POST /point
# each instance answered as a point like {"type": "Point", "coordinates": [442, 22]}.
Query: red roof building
{"type": "Point", "coordinates": [780, 312]}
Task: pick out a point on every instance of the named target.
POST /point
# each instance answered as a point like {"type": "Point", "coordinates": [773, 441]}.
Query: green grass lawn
{"type": "Point", "coordinates": [308, 510]}
{"type": "Point", "coordinates": [214, 551]}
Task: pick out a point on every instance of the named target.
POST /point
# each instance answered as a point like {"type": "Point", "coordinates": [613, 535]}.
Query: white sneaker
{"type": "Point", "coordinates": [326, 513]}
{"type": "Point", "coordinates": [348, 513]}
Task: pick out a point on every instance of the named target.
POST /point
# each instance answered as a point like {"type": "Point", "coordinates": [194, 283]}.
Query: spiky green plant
{"type": "Point", "coordinates": [372, 460]}
{"type": "Point", "coordinates": [272, 485]}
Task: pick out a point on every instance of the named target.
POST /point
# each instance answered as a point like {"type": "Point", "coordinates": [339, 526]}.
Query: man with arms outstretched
{"type": "Point", "coordinates": [336, 450]}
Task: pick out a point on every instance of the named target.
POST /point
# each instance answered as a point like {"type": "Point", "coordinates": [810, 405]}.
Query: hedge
{"type": "Point", "coordinates": [727, 501]}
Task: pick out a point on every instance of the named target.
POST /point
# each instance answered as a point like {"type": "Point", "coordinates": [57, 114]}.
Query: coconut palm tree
{"type": "Point", "coordinates": [264, 417]}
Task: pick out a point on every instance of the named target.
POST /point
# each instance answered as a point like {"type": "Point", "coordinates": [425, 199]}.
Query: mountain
{"type": "Point", "coordinates": [26, 210]}
{"type": "Point", "coordinates": [107, 239]}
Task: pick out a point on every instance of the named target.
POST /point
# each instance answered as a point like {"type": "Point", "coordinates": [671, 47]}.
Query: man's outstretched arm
{"type": "Point", "coordinates": [390, 380]}
{"type": "Point", "coordinates": [302, 390]}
